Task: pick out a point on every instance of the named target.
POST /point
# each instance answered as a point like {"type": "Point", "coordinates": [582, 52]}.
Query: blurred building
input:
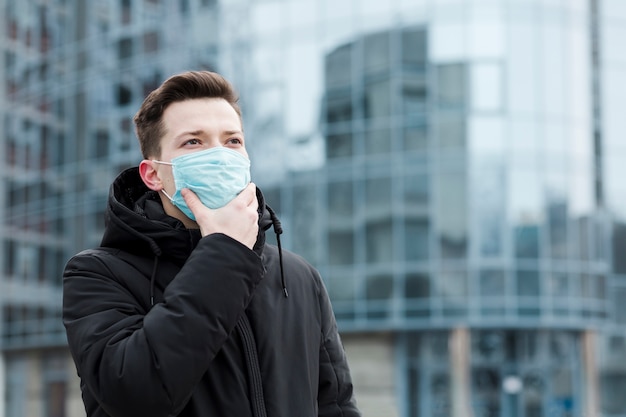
{"type": "Point", "coordinates": [453, 168]}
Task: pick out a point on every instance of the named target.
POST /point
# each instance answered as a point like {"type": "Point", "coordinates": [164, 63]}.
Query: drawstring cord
{"type": "Point", "coordinates": [278, 230]}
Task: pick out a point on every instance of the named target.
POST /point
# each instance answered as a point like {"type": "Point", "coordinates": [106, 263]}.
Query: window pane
{"type": "Point", "coordinates": [528, 283]}
{"type": "Point", "coordinates": [451, 207]}
{"type": "Point", "coordinates": [376, 52]}
{"type": "Point", "coordinates": [379, 287]}
{"type": "Point", "coordinates": [339, 145]}
{"type": "Point", "coordinates": [341, 248]}
{"type": "Point", "coordinates": [417, 285]}
{"type": "Point", "coordinates": [451, 86]}
{"type": "Point", "coordinates": [450, 130]}
{"type": "Point", "coordinates": [377, 100]}
{"type": "Point", "coordinates": [416, 236]}
{"type": "Point", "coordinates": [486, 86]}
{"type": "Point", "coordinates": [378, 141]}
{"type": "Point", "coordinates": [379, 244]}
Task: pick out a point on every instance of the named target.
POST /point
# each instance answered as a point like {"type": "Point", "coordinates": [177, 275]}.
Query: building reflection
{"type": "Point", "coordinates": [453, 168]}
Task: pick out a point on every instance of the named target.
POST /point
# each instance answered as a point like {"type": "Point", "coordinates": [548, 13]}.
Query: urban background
{"type": "Point", "coordinates": [456, 169]}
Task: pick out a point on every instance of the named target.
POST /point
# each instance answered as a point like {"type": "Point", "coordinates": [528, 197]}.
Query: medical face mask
{"type": "Point", "coordinates": [217, 175]}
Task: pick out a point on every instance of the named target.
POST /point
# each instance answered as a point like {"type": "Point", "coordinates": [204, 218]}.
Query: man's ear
{"type": "Point", "coordinates": [149, 175]}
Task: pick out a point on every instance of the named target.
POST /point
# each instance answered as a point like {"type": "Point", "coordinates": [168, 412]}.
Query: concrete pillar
{"type": "Point", "coordinates": [591, 402]}
{"type": "Point", "coordinates": [371, 361]}
{"type": "Point", "coordinates": [460, 372]}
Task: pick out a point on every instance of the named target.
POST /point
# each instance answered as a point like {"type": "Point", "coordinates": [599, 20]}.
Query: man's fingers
{"type": "Point", "coordinates": [192, 200]}
{"type": "Point", "coordinates": [247, 196]}
{"type": "Point", "coordinates": [252, 200]}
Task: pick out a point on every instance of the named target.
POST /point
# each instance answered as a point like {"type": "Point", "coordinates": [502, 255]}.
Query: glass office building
{"type": "Point", "coordinates": [453, 168]}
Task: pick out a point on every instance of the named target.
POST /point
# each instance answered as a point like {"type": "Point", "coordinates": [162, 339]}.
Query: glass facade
{"type": "Point", "coordinates": [446, 164]}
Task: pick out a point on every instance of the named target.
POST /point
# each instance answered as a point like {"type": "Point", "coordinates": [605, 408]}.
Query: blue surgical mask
{"type": "Point", "coordinates": [217, 175]}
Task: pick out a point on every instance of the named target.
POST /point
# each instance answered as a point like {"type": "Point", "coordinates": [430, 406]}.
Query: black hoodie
{"type": "Point", "coordinates": [162, 322]}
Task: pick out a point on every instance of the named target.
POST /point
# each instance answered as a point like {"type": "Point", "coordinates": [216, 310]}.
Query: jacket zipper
{"type": "Point", "coordinates": [252, 361]}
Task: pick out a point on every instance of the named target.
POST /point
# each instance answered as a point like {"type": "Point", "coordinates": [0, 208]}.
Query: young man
{"type": "Point", "coordinates": [184, 310]}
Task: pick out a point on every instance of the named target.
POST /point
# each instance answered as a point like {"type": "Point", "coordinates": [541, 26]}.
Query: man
{"type": "Point", "coordinates": [184, 310]}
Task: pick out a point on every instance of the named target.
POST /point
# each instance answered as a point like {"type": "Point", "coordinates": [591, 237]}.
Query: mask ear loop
{"type": "Point", "coordinates": [162, 162]}
{"type": "Point", "coordinates": [163, 189]}
{"type": "Point", "coordinates": [167, 195]}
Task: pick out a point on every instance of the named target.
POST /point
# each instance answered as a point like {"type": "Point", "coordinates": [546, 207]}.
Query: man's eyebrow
{"type": "Point", "coordinates": [190, 133]}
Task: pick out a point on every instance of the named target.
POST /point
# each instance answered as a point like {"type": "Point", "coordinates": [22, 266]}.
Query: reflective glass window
{"type": "Point", "coordinates": [450, 130]}
{"type": "Point", "coordinates": [486, 34]}
{"type": "Point", "coordinates": [553, 66]}
{"type": "Point", "coordinates": [417, 285]}
{"type": "Point", "coordinates": [415, 138]}
{"type": "Point", "coordinates": [451, 85]}
{"type": "Point", "coordinates": [150, 42]}
{"type": "Point", "coordinates": [415, 402]}
{"type": "Point", "coordinates": [444, 42]}
{"type": "Point", "coordinates": [558, 285]}
{"type": "Point", "coordinates": [124, 48]}
{"type": "Point", "coordinates": [440, 395]}
{"type": "Point", "coordinates": [532, 394]}
{"type": "Point", "coordinates": [414, 95]}
{"type": "Point", "coordinates": [414, 47]}
{"type": "Point", "coordinates": [522, 75]}
{"type": "Point", "coordinates": [305, 213]}
{"type": "Point", "coordinates": [376, 52]}
{"type": "Point", "coordinates": [612, 398]}
{"type": "Point", "coordinates": [613, 9]}
{"type": "Point", "coordinates": [339, 67]}
{"type": "Point", "coordinates": [378, 141]}
{"type": "Point", "coordinates": [557, 228]}
{"type": "Point", "coordinates": [619, 306]}
{"type": "Point", "coordinates": [340, 201]}
{"type": "Point", "coordinates": [492, 283]}
{"type": "Point", "coordinates": [579, 66]}
{"type": "Point", "coordinates": [451, 208]}
{"type": "Point", "coordinates": [379, 287]}
{"type": "Point", "coordinates": [377, 99]}
{"type": "Point", "coordinates": [527, 283]}
{"type": "Point", "coordinates": [416, 239]}
{"type": "Point", "coordinates": [618, 243]}
{"type": "Point", "coordinates": [485, 387]}
{"type": "Point", "coordinates": [341, 247]}
{"type": "Point", "coordinates": [378, 197]}
{"type": "Point", "coordinates": [489, 202]}
{"type": "Point", "coordinates": [339, 145]}
{"type": "Point", "coordinates": [526, 240]}
{"type": "Point", "coordinates": [486, 86]}
{"type": "Point", "coordinates": [17, 386]}
{"type": "Point", "coordinates": [453, 285]}
{"type": "Point", "coordinates": [379, 241]}
{"type": "Point", "coordinates": [339, 107]}
{"type": "Point", "coordinates": [379, 231]}
{"type": "Point", "coordinates": [416, 194]}
{"type": "Point", "coordinates": [492, 291]}
{"type": "Point", "coordinates": [340, 286]}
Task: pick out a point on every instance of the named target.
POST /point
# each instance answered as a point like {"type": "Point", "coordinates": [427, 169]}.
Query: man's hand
{"type": "Point", "coordinates": [238, 219]}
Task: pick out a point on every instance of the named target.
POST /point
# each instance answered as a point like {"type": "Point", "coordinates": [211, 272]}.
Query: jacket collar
{"type": "Point", "coordinates": [135, 221]}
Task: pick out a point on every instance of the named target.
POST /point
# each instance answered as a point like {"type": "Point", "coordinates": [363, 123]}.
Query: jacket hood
{"type": "Point", "coordinates": [136, 222]}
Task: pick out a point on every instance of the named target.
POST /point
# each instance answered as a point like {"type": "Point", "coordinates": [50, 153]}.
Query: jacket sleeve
{"type": "Point", "coordinates": [135, 362]}
{"type": "Point", "coordinates": [335, 394]}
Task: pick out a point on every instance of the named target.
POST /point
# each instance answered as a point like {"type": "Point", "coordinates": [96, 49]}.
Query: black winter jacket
{"type": "Point", "coordinates": [162, 322]}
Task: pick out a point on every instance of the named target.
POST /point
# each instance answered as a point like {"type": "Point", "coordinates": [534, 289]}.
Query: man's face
{"type": "Point", "coordinates": [195, 125]}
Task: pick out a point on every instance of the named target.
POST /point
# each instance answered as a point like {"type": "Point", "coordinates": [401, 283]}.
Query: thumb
{"type": "Point", "coordinates": [192, 201]}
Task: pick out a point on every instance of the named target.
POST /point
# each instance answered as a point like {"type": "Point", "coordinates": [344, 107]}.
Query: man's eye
{"type": "Point", "coordinates": [192, 142]}
{"type": "Point", "coordinates": [235, 141]}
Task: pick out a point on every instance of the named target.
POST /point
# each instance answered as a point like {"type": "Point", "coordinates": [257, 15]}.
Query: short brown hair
{"type": "Point", "coordinates": [185, 86]}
